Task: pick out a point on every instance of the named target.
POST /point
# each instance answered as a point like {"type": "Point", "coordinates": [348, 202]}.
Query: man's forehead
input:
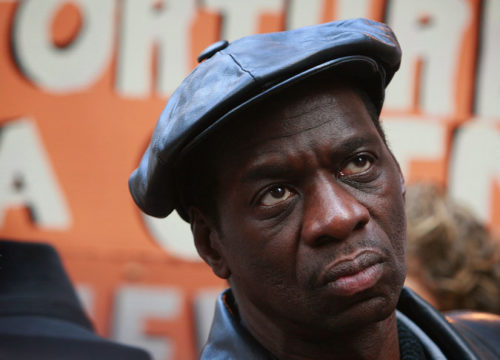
{"type": "Point", "coordinates": [336, 120]}
{"type": "Point", "coordinates": [279, 162]}
{"type": "Point", "coordinates": [294, 111]}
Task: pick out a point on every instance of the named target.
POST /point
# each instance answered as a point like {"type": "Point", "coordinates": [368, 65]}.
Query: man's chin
{"type": "Point", "coordinates": [364, 311]}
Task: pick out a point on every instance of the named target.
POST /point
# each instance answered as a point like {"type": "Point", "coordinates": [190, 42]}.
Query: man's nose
{"type": "Point", "coordinates": [331, 212]}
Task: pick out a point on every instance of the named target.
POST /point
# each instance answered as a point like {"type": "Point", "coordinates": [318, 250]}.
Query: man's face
{"type": "Point", "coordinates": [311, 216]}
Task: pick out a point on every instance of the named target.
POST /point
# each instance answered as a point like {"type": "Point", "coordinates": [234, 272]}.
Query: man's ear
{"type": "Point", "coordinates": [207, 242]}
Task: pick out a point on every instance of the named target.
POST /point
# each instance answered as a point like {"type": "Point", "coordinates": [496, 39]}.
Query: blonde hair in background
{"type": "Point", "coordinates": [450, 253]}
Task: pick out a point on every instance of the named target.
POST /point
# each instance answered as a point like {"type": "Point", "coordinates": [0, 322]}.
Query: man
{"type": "Point", "coordinates": [272, 149]}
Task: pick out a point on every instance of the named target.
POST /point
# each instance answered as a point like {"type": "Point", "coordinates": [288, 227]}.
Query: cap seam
{"type": "Point", "coordinates": [241, 67]}
{"type": "Point", "coordinates": [158, 153]}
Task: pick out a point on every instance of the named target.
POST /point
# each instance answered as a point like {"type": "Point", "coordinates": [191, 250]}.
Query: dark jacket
{"type": "Point", "coordinates": [40, 314]}
{"type": "Point", "coordinates": [461, 335]}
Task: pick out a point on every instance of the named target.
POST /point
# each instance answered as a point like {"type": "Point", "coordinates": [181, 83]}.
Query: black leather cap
{"type": "Point", "coordinates": [253, 67]}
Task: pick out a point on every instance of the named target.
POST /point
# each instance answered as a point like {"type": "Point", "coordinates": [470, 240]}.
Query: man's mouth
{"type": "Point", "coordinates": [350, 275]}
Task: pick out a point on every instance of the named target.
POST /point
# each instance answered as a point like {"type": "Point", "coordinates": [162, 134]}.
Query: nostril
{"type": "Point", "coordinates": [361, 224]}
{"type": "Point", "coordinates": [324, 240]}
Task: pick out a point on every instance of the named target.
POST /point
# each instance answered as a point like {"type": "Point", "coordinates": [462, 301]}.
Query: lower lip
{"type": "Point", "coordinates": [352, 284]}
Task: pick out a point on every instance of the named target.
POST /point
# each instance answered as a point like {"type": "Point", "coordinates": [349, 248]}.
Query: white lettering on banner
{"type": "Point", "coordinates": [174, 235]}
{"type": "Point", "coordinates": [131, 306]}
{"type": "Point", "coordinates": [27, 179]}
{"type": "Point", "coordinates": [142, 27]}
{"type": "Point", "coordinates": [414, 139]}
{"type": "Point", "coordinates": [488, 79]}
{"type": "Point", "coordinates": [347, 9]}
{"type": "Point", "coordinates": [240, 18]}
{"type": "Point", "coordinates": [303, 13]}
{"type": "Point", "coordinates": [432, 31]}
{"type": "Point", "coordinates": [475, 165]}
{"type": "Point", "coordinates": [134, 305]}
{"type": "Point", "coordinates": [309, 12]}
{"type": "Point", "coordinates": [73, 67]}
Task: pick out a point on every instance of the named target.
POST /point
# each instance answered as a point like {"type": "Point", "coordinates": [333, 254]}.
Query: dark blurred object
{"type": "Point", "coordinates": [452, 260]}
{"type": "Point", "coordinates": [40, 315]}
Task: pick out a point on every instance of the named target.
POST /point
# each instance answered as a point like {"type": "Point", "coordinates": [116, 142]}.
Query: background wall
{"type": "Point", "coordinates": [82, 83]}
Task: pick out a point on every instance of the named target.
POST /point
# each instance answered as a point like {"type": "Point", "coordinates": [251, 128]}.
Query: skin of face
{"type": "Point", "coordinates": [311, 225]}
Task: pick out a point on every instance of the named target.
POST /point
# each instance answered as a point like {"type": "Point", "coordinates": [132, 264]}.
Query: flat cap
{"type": "Point", "coordinates": [233, 76]}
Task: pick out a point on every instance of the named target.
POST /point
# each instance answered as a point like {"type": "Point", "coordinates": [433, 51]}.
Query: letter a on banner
{"type": "Point", "coordinates": [27, 179]}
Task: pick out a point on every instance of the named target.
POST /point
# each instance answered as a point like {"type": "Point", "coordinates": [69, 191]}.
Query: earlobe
{"type": "Point", "coordinates": [207, 242]}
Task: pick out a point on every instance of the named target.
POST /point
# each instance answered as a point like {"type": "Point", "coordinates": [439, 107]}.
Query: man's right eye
{"type": "Point", "coordinates": [276, 195]}
{"type": "Point", "coordinates": [357, 165]}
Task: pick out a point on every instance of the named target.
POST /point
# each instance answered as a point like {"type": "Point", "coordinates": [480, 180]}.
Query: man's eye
{"type": "Point", "coordinates": [357, 165]}
{"type": "Point", "coordinates": [275, 195]}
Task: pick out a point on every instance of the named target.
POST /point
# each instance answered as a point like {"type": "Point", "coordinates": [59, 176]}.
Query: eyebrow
{"type": "Point", "coordinates": [355, 143]}
{"type": "Point", "coordinates": [273, 170]}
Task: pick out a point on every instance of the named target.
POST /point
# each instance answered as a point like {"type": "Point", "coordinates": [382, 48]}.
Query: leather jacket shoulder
{"type": "Point", "coordinates": [460, 335]}
{"type": "Point", "coordinates": [480, 330]}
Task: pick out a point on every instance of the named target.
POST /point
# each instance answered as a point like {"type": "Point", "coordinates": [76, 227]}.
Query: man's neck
{"type": "Point", "coordinates": [376, 341]}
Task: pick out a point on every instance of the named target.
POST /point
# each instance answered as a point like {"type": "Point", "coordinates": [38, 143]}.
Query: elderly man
{"type": "Point", "coordinates": [272, 149]}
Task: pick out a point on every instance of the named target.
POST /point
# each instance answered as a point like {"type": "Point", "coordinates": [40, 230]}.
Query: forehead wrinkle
{"type": "Point", "coordinates": [253, 144]}
{"type": "Point", "coordinates": [283, 119]}
{"type": "Point", "coordinates": [276, 165]}
{"type": "Point", "coordinates": [350, 141]}
{"type": "Point", "coordinates": [325, 107]}
{"type": "Point", "coordinates": [286, 129]}
{"type": "Point", "coordinates": [267, 170]}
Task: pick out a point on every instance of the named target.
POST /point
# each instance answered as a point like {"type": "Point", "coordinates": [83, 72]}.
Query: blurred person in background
{"type": "Point", "coordinates": [41, 316]}
{"type": "Point", "coordinates": [453, 261]}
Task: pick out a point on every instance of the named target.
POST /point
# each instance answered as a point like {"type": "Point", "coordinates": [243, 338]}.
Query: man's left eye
{"type": "Point", "coordinates": [357, 165]}
{"type": "Point", "coordinates": [275, 195]}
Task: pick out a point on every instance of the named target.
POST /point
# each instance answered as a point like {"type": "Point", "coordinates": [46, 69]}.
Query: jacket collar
{"type": "Point", "coordinates": [433, 323]}
{"type": "Point", "coordinates": [228, 339]}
